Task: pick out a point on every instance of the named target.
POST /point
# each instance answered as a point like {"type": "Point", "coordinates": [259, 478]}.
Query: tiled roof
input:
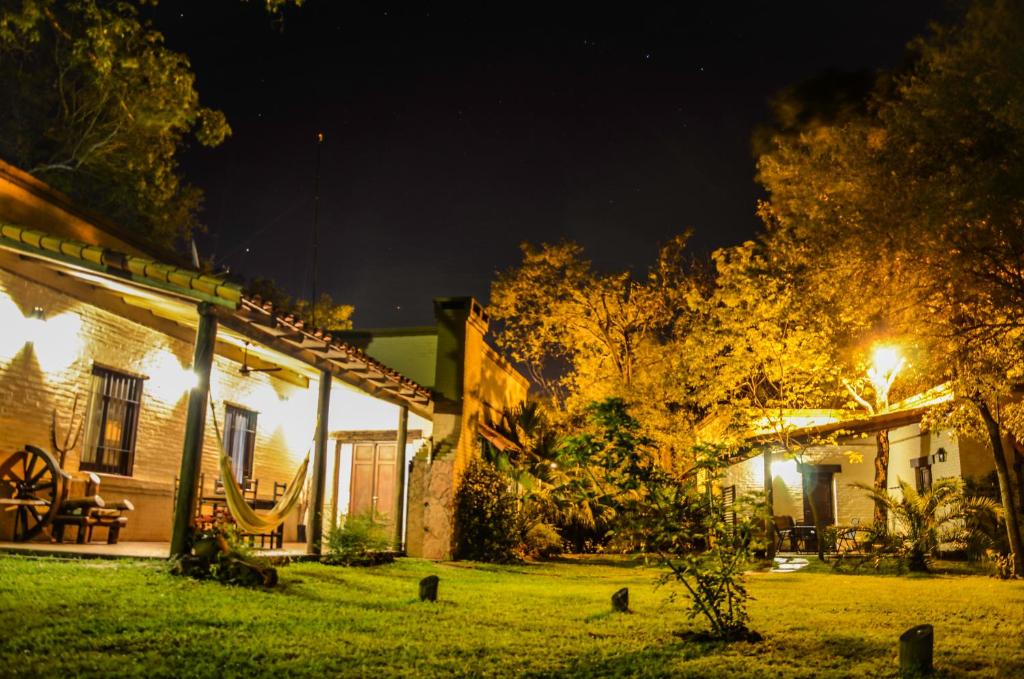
{"type": "Point", "coordinates": [286, 331]}
{"type": "Point", "coordinates": [140, 269]}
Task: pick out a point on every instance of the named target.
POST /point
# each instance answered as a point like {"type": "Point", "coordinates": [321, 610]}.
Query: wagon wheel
{"type": "Point", "coordinates": [30, 475]}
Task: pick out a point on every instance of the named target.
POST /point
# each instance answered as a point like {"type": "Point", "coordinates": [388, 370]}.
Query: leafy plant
{"type": "Point", "coordinates": [688, 530]}
{"type": "Point", "coordinates": [542, 541]}
{"type": "Point", "coordinates": [923, 522]}
{"type": "Point", "coordinates": [486, 516]}
{"type": "Point", "coordinates": [221, 554]}
{"type": "Point", "coordinates": [359, 541]}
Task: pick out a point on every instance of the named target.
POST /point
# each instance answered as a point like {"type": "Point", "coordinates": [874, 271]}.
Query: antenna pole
{"type": "Point", "coordinates": [316, 220]}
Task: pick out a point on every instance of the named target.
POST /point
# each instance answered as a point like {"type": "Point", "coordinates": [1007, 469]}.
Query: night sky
{"type": "Point", "coordinates": [453, 134]}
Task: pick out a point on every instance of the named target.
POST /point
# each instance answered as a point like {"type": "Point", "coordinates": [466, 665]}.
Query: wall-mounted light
{"type": "Point", "coordinates": [940, 455]}
{"type": "Point", "coordinates": [35, 325]}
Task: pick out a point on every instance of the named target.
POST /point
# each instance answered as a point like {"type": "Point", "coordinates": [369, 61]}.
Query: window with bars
{"type": "Point", "coordinates": [729, 504]}
{"type": "Point", "coordinates": [240, 440]}
{"type": "Point", "coordinates": [113, 422]}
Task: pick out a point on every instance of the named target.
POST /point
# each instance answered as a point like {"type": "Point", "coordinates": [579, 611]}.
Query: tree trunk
{"type": "Point", "coordinates": [881, 518]}
{"type": "Point", "coordinates": [1005, 491]}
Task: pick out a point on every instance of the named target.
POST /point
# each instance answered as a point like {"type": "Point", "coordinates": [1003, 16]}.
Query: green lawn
{"type": "Point", "coordinates": [110, 618]}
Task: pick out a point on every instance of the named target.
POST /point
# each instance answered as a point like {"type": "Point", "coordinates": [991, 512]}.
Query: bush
{"type": "Point", "coordinates": [359, 541]}
{"type": "Point", "coordinates": [486, 516]}
{"type": "Point", "coordinates": [542, 541]}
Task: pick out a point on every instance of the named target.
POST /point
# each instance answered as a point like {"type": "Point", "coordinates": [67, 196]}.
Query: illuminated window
{"type": "Point", "coordinates": [240, 440]}
{"type": "Point", "coordinates": [113, 421]}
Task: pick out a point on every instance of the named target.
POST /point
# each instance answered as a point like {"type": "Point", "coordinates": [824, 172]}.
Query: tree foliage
{"type": "Point", "coordinates": [917, 203]}
{"type": "Point", "coordinates": [99, 107]}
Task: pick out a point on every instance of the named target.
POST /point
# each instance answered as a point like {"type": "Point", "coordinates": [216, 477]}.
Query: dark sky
{"type": "Point", "coordinates": [455, 133]}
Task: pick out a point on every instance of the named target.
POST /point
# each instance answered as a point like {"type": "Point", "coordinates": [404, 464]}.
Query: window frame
{"type": "Point", "coordinates": [95, 443]}
{"type": "Point", "coordinates": [232, 414]}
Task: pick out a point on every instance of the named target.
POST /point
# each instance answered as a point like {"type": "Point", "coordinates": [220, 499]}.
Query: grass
{"type": "Point", "coordinates": [117, 618]}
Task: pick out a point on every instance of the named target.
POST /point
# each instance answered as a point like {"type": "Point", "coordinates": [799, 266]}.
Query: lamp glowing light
{"type": "Point", "coordinates": [886, 365]}
{"type": "Point", "coordinates": [34, 326]}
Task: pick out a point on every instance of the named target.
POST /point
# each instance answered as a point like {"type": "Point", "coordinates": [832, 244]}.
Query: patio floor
{"type": "Point", "coordinates": [122, 550]}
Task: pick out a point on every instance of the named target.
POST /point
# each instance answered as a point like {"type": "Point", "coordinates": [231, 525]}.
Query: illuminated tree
{"type": "Point", "coordinates": [585, 336]}
{"type": "Point", "coordinates": [918, 203]}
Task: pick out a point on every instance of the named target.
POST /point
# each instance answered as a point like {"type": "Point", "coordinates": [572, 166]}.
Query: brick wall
{"type": "Point", "coordinates": [37, 378]}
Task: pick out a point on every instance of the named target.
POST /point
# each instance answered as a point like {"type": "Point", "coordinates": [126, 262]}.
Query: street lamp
{"type": "Point", "coordinates": [886, 364]}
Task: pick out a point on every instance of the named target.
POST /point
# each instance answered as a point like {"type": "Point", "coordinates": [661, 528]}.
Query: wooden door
{"type": "Point", "coordinates": [373, 481]}
{"type": "Point", "coordinates": [818, 492]}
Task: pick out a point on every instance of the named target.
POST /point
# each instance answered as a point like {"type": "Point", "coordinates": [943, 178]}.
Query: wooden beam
{"type": "Point", "coordinates": [314, 536]}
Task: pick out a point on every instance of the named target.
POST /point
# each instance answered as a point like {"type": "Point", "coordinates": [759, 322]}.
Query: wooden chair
{"type": "Point", "coordinates": [111, 516]}
{"type": "Point", "coordinates": [89, 511]}
{"type": "Point", "coordinates": [784, 526]}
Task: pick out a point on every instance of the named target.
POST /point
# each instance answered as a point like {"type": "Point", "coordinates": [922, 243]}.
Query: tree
{"type": "Point", "coordinates": [761, 345]}
{"type": "Point", "coordinates": [585, 336]}
{"type": "Point", "coordinates": [325, 313]}
{"type": "Point", "coordinates": [921, 198]}
{"type": "Point", "coordinates": [99, 107]}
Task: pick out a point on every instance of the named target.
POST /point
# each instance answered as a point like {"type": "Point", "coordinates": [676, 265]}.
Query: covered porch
{"type": "Point", "coordinates": [205, 364]}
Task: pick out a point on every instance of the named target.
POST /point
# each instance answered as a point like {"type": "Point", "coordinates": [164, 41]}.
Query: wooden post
{"type": "Point", "coordinates": [334, 485]}
{"type": "Point", "coordinates": [314, 534]}
{"type": "Point", "coordinates": [769, 499]}
{"type": "Point", "coordinates": [195, 425]}
{"type": "Point", "coordinates": [403, 430]}
{"type": "Point", "coordinates": [916, 648]}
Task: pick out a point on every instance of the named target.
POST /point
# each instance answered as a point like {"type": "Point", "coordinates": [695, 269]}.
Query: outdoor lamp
{"type": "Point", "coordinates": [886, 364]}
{"type": "Point", "coordinates": [35, 325]}
{"type": "Point", "coordinates": [940, 455]}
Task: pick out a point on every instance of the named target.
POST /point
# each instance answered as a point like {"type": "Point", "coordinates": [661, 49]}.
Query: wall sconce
{"type": "Point", "coordinates": [939, 456]}
{"type": "Point", "coordinates": [35, 325]}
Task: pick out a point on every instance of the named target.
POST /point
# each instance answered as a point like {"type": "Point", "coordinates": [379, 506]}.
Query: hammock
{"type": "Point", "coordinates": [244, 515]}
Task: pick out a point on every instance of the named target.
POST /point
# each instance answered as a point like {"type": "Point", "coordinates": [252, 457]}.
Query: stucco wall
{"type": "Point", "coordinates": [963, 457]}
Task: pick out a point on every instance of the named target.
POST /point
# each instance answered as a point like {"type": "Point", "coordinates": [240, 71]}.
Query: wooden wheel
{"type": "Point", "coordinates": [30, 488]}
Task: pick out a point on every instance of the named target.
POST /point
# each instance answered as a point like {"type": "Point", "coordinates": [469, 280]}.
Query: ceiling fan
{"type": "Point", "coordinates": [245, 369]}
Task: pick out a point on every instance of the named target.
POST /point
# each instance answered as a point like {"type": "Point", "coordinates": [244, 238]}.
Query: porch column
{"type": "Point", "coordinates": [314, 536]}
{"type": "Point", "coordinates": [769, 499]}
{"type": "Point", "coordinates": [400, 466]}
{"type": "Point", "coordinates": [195, 425]}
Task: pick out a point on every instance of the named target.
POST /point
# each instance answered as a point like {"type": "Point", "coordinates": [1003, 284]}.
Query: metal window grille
{"type": "Point", "coordinates": [240, 440]}
{"type": "Point", "coordinates": [113, 422]}
{"type": "Point", "coordinates": [729, 503]}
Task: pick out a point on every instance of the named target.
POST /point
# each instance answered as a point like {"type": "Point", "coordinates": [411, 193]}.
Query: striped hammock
{"type": "Point", "coordinates": [245, 516]}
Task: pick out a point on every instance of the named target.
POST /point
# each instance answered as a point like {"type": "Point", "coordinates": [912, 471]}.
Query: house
{"type": "Point", "coordinates": [836, 449]}
{"type": "Point", "coordinates": [471, 385]}
{"type": "Point", "coordinates": [151, 360]}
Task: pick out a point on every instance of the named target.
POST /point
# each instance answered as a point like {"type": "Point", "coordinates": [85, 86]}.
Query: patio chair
{"type": "Point", "coordinates": [784, 526]}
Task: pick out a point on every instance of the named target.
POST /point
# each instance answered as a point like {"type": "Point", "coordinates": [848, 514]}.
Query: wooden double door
{"type": "Point", "coordinates": [372, 492]}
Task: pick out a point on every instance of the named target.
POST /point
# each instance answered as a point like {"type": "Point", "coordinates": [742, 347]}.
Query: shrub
{"type": "Point", "coordinates": [486, 516]}
{"type": "Point", "coordinates": [942, 516]}
{"type": "Point", "coordinates": [542, 541]}
{"type": "Point", "coordinates": [359, 541]}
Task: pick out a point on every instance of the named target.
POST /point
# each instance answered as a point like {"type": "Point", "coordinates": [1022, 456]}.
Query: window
{"type": "Point", "coordinates": [113, 421]}
{"type": "Point", "coordinates": [240, 440]}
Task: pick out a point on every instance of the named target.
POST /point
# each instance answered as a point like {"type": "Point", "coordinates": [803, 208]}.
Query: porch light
{"type": "Point", "coordinates": [35, 326]}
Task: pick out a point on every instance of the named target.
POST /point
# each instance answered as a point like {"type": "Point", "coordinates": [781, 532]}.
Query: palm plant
{"type": "Point", "coordinates": [550, 490]}
{"type": "Point", "coordinates": [941, 515]}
